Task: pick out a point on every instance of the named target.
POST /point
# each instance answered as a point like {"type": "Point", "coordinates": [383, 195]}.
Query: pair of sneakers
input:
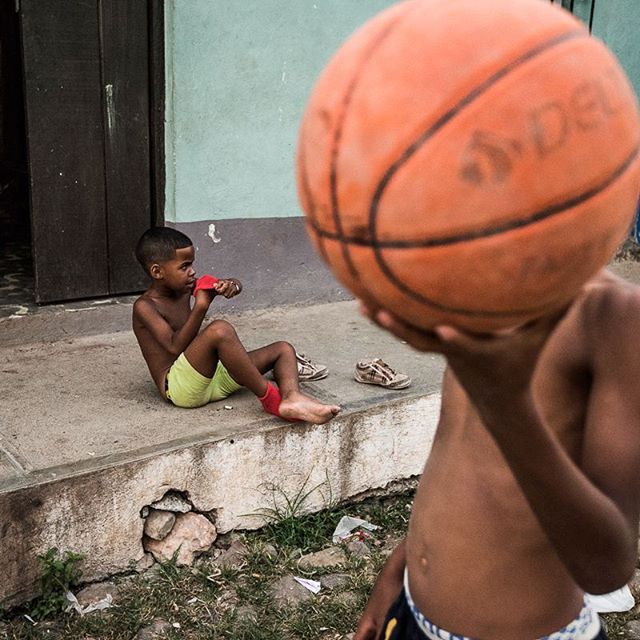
{"type": "Point", "coordinates": [375, 371]}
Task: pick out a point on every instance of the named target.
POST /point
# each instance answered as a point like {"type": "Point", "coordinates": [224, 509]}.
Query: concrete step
{"type": "Point", "coordinates": [86, 442]}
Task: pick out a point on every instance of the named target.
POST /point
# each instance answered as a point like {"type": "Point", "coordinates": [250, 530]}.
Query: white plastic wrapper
{"type": "Point", "coordinates": [105, 603]}
{"type": "Point", "coordinates": [616, 601]}
{"type": "Point", "coordinates": [313, 585]}
{"type": "Point", "coordinates": [348, 524]}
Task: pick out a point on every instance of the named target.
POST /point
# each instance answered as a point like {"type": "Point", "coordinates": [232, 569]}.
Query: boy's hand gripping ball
{"type": "Point", "coordinates": [467, 162]}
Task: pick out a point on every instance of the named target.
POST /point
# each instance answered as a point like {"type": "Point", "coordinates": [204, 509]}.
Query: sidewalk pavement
{"type": "Point", "coordinates": [78, 400]}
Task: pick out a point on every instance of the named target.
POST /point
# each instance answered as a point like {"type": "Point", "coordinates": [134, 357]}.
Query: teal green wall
{"type": "Point", "coordinates": [617, 22]}
{"type": "Point", "coordinates": [238, 74]}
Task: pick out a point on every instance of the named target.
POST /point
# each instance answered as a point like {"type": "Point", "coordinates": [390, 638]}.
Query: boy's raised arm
{"type": "Point", "coordinates": [611, 445]}
{"type": "Point", "coordinates": [588, 506]}
{"type": "Point", "coordinates": [175, 342]}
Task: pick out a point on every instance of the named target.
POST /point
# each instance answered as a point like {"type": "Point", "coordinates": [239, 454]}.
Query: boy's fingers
{"type": "Point", "coordinates": [418, 338]}
{"type": "Point", "coordinates": [456, 339]}
{"type": "Point", "coordinates": [221, 286]}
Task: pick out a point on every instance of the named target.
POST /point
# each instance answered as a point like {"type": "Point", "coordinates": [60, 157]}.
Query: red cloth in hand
{"type": "Point", "coordinates": [271, 401]}
{"type": "Point", "coordinates": [204, 282]}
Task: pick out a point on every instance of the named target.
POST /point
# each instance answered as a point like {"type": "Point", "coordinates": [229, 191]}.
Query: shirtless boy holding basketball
{"type": "Point", "coordinates": [530, 495]}
{"type": "Point", "coordinates": [192, 367]}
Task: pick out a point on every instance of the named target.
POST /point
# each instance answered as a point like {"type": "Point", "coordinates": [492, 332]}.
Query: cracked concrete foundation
{"type": "Point", "coordinates": [98, 513]}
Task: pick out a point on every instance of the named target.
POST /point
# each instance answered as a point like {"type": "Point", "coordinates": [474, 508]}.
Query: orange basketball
{"type": "Point", "coordinates": [469, 162]}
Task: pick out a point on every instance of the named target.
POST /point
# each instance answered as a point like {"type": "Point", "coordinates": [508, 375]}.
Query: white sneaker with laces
{"type": "Point", "coordinates": [377, 371]}
{"type": "Point", "coordinates": [308, 370]}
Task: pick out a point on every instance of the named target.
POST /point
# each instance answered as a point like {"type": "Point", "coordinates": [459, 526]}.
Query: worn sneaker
{"type": "Point", "coordinates": [379, 372]}
{"type": "Point", "coordinates": [308, 370]}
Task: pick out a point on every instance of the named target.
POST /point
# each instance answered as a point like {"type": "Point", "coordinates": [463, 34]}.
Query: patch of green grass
{"type": "Point", "coordinates": [288, 522]}
{"type": "Point", "coordinates": [60, 573]}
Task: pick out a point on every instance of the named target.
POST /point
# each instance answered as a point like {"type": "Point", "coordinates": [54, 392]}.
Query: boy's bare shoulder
{"type": "Point", "coordinates": [610, 310]}
{"type": "Point", "coordinates": [143, 306]}
{"type": "Point", "coordinates": [610, 296]}
{"type": "Point", "coordinates": [142, 301]}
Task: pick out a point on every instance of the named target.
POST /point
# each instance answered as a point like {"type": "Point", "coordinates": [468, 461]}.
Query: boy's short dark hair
{"type": "Point", "coordinates": [159, 244]}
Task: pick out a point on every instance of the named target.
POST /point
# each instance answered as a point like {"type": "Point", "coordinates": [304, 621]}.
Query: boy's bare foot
{"type": "Point", "coordinates": [297, 406]}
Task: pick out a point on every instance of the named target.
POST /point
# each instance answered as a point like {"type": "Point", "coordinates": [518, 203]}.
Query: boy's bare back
{"type": "Point", "coordinates": [531, 492]}
{"type": "Point", "coordinates": [175, 312]}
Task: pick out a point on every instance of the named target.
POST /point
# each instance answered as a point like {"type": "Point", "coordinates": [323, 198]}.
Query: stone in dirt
{"type": "Point", "coordinates": [156, 630]}
{"type": "Point", "coordinates": [359, 549]}
{"type": "Point", "coordinates": [333, 580]}
{"type": "Point", "coordinates": [94, 593]}
{"type": "Point", "coordinates": [172, 501]}
{"type": "Point", "coordinates": [233, 557]}
{"type": "Point", "coordinates": [331, 557]}
{"type": "Point", "coordinates": [145, 563]}
{"type": "Point", "coordinates": [286, 592]}
{"type": "Point", "coordinates": [192, 534]}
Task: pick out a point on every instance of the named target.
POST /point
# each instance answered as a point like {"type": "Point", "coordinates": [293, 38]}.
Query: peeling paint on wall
{"type": "Point", "coordinates": [212, 233]}
{"type": "Point", "coordinates": [110, 109]}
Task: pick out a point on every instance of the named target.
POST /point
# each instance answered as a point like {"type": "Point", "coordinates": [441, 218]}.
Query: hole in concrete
{"type": "Point", "coordinates": [173, 500]}
{"type": "Point", "coordinates": [162, 515]}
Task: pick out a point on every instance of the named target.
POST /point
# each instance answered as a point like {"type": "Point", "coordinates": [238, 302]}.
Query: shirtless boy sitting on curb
{"type": "Point", "coordinates": [192, 367]}
{"type": "Point", "coordinates": [530, 495]}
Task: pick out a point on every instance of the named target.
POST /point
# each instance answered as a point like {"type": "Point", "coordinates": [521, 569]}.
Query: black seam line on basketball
{"type": "Point", "coordinates": [491, 313]}
{"type": "Point", "coordinates": [512, 312]}
{"type": "Point", "coordinates": [478, 234]}
{"type": "Point", "coordinates": [337, 137]}
{"type": "Point", "coordinates": [454, 111]}
{"type": "Point", "coordinates": [413, 147]}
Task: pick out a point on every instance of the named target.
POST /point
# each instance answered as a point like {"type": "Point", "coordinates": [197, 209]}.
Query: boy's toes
{"type": "Point", "coordinates": [308, 410]}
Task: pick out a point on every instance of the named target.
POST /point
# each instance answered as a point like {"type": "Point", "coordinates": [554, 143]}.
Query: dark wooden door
{"type": "Point", "coordinates": [86, 79]}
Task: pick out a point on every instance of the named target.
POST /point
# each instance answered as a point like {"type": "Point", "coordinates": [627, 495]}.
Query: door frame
{"type": "Point", "coordinates": [96, 217]}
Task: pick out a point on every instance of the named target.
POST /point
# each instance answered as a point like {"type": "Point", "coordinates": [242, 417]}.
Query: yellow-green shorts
{"type": "Point", "coordinates": [188, 388]}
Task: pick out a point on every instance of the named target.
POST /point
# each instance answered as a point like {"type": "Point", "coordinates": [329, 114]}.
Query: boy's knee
{"type": "Point", "coordinates": [285, 347]}
{"type": "Point", "coordinates": [220, 330]}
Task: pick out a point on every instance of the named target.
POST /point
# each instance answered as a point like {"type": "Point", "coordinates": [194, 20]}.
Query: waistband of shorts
{"type": "Point", "coordinates": [585, 626]}
{"type": "Point", "coordinates": [166, 388]}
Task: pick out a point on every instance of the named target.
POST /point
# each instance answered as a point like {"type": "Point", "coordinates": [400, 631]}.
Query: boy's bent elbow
{"type": "Point", "coordinates": [174, 349]}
